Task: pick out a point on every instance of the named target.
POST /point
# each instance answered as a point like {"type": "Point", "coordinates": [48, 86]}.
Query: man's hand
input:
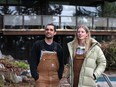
{"type": "Point", "coordinates": [64, 82]}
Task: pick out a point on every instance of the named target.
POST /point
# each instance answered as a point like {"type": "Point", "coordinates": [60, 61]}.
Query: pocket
{"type": "Point", "coordinates": [94, 76]}
{"type": "Point", "coordinates": [89, 81]}
{"type": "Point", "coordinates": [37, 83]}
{"type": "Point", "coordinates": [37, 80]}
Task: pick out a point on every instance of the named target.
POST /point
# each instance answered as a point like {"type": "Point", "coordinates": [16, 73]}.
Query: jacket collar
{"type": "Point", "coordinates": [93, 43]}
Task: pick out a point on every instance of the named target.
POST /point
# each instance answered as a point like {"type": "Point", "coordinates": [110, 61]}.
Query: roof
{"type": "Point", "coordinates": [77, 2]}
{"type": "Point", "coordinates": [86, 2]}
{"type": "Point", "coordinates": [70, 2]}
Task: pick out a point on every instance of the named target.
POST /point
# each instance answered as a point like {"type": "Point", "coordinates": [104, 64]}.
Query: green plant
{"type": "Point", "coordinates": [21, 64]}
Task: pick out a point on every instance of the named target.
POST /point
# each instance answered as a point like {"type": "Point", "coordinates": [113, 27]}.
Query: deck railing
{"type": "Point", "coordinates": [62, 22]}
{"type": "Point", "coordinates": [106, 78]}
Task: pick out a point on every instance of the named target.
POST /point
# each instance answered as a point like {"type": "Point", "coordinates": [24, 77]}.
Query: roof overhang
{"type": "Point", "coordinates": [70, 2]}
{"type": "Point", "coordinates": [84, 2]}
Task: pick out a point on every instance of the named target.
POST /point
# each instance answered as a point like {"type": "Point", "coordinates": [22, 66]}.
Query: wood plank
{"type": "Point", "coordinates": [59, 32]}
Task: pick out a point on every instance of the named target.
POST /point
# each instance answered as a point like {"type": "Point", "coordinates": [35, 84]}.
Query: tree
{"type": "Point", "coordinates": [55, 9]}
{"type": "Point", "coordinates": [109, 9]}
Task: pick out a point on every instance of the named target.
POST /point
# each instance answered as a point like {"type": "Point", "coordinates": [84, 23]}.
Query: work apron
{"type": "Point", "coordinates": [48, 70]}
{"type": "Point", "coordinates": [78, 61]}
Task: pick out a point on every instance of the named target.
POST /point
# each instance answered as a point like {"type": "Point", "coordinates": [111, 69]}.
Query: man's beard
{"type": "Point", "coordinates": [48, 37]}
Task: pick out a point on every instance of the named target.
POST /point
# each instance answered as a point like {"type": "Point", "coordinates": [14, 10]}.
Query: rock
{"type": "Point", "coordinates": [18, 79]}
{"type": "Point", "coordinates": [9, 57]}
{"type": "Point", "coordinates": [24, 79]}
{"type": "Point", "coordinates": [12, 77]}
{"type": "Point", "coordinates": [2, 81]}
{"type": "Point", "coordinates": [1, 56]}
{"type": "Point", "coordinates": [26, 73]}
{"type": "Point", "coordinates": [2, 66]}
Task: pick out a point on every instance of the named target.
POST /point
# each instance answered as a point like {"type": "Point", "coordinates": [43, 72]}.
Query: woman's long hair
{"type": "Point", "coordinates": [87, 40]}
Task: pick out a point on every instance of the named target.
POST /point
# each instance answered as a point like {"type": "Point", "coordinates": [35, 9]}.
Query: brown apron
{"type": "Point", "coordinates": [48, 70]}
{"type": "Point", "coordinates": [78, 61]}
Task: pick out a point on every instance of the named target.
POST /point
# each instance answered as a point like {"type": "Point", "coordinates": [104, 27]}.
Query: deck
{"type": "Point", "coordinates": [59, 32]}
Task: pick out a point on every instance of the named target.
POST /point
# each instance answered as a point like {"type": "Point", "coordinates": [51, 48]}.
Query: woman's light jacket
{"type": "Point", "coordinates": [94, 63]}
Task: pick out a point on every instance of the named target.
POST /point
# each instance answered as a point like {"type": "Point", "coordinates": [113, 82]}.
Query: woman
{"type": "Point", "coordinates": [87, 61]}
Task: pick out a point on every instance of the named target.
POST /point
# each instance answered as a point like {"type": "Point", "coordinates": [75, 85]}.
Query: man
{"type": "Point", "coordinates": [47, 62]}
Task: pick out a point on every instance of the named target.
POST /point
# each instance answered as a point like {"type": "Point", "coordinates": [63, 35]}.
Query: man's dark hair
{"type": "Point", "coordinates": [51, 25]}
